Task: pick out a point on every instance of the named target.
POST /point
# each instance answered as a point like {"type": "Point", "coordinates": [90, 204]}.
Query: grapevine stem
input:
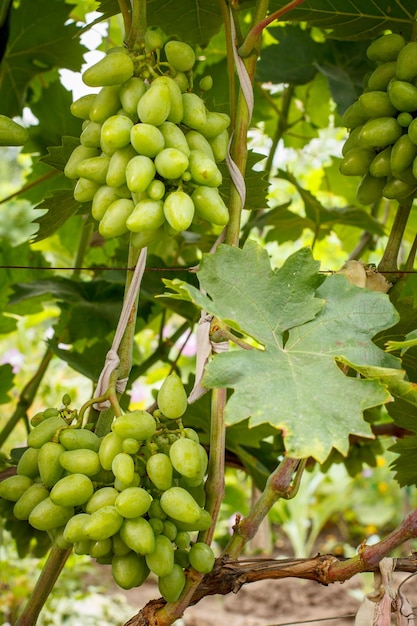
{"type": "Point", "coordinates": [215, 479]}
{"type": "Point", "coordinates": [136, 34]}
{"type": "Point", "coordinates": [280, 484]}
{"type": "Point", "coordinates": [44, 585]}
{"type": "Point", "coordinates": [127, 18]}
{"type": "Point", "coordinates": [251, 38]}
{"type": "Point", "coordinates": [389, 259]}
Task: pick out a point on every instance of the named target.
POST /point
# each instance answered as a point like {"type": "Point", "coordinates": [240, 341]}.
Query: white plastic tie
{"type": "Point", "coordinates": [112, 361]}
{"type": "Point", "coordinates": [247, 90]}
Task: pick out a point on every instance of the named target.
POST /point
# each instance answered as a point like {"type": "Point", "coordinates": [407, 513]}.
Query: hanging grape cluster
{"type": "Point", "coordinates": [133, 498]}
{"type": "Point", "coordinates": [149, 149]}
{"type": "Point", "coordinates": [382, 144]}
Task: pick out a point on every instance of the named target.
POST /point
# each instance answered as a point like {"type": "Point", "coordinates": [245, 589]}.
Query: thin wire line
{"type": "Point", "coordinates": [96, 268]}
{"type": "Point", "coordinates": [311, 621]}
{"type": "Point", "coordinates": [153, 269]}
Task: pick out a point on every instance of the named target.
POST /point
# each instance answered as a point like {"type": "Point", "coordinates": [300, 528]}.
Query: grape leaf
{"type": "Point", "coordinates": [352, 19]}
{"type": "Point", "coordinates": [195, 21]}
{"type": "Point", "coordinates": [39, 40]}
{"type": "Point", "coordinates": [60, 206]}
{"type": "Point", "coordinates": [405, 465]}
{"type": "Point", "coordinates": [295, 383]}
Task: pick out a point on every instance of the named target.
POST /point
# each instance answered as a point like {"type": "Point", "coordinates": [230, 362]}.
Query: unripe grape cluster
{"type": "Point", "coordinates": [149, 148]}
{"type": "Point", "coordinates": [133, 499]}
{"type": "Point", "coordinates": [382, 144]}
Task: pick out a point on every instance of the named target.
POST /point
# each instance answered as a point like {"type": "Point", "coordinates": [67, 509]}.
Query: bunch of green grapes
{"type": "Point", "coordinates": [149, 149]}
{"type": "Point", "coordinates": [133, 499]}
{"type": "Point", "coordinates": [382, 144]}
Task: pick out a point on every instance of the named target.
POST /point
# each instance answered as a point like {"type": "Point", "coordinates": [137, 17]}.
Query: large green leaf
{"type": "Point", "coordinates": [353, 19]}
{"type": "Point", "coordinates": [295, 383]}
{"type": "Point", "coordinates": [60, 205]}
{"type": "Point", "coordinates": [39, 40]}
{"type": "Point", "coordinates": [195, 21]}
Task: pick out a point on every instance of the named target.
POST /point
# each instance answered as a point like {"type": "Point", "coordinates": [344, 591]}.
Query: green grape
{"type": "Point", "coordinates": [113, 222]}
{"type": "Point", "coordinates": [202, 557]}
{"type": "Point", "coordinates": [81, 107]}
{"type": "Point", "coordinates": [110, 445]}
{"type": "Point", "coordinates": [179, 210]}
{"type": "Point", "coordinates": [121, 486]}
{"type": "Point", "coordinates": [106, 496]}
{"type": "Point", "coordinates": [79, 154]}
{"type": "Point", "coordinates": [105, 104]}
{"type": "Point", "coordinates": [174, 137]}
{"type": "Point", "coordinates": [147, 215]}
{"type": "Point", "coordinates": [161, 560]}
{"type": "Point", "coordinates": [140, 425]}
{"type": "Point", "coordinates": [155, 510]}
{"type": "Point", "coordinates": [116, 173]}
{"type": "Point", "coordinates": [215, 124]}
{"type": "Point", "coordinates": [157, 525]}
{"type": "Point", "coordinates": [403, 153]}
{"type": "Point", "coordinates": [187, 458]}
{"type": "Point", "coordinates": [171, 163]}
{"type": "Point", "coordinates": [210, 206]}
{"type": "Point", "coordinates": [130, 445]}
{"type": "Point", "coordinates": [204, 522]}
{"type": "Point", "coordinates": [137, 533]}
{"type": "Point", "coordinates": [72, 490]}
{"type": "Point", "coordinates": [159, 469]}
{"type": "Point", "coordinates": [146, 237]}
{"type": "Point", "coordinates": [133, 502]}
{"type": "Point", "coordinates": [156, 190]}
{"type": "Point", "coordinates": [45, 431]}
{"type": "Point", "coordinates": [220, 145]}
{"type": "Point", "coordinates": [406, 62]}
{"type": "Point", "coordinates": [47, 515]}
{"type": "Point", "coordinates": [113, 69]}
{"type": "Point", "coordinates": [154, 38]}
{"type": "Point", "coordinates": [94, 169]}
{"type": "Point", "coordinates": [147, 139]}
{"type": "Point", "coordinates": [140, 171]}
{"type": "Point", "coordinates": [182, 539]}
{"type": "Point", "coordinates": [195, 113]}
{"type": "Point", "coordinates": [129, 570]}
{"type": "Point", "coordinates": [123, 468]}
{"type": "Point", "coordinates": [50, 468]}
{"type": "Point", "coordinates": [176, 110]}
{"type": "Point", "coordinates": [130, 93]}
{"type": "Point", "coordinates": [379, 132]}
{"type": "Point", "coordinates": [155, 104]}
{"type": "Point", "coordinates": [75, 438]}
{"type": "Point", "coordinates": [180, 55]}
{"type": "Point", "coordinates": [377, 104]}
{"type": "Point", "coordinates": [206, 83]}
{"type": "Point", "coordinates": [82, 461]}
{"type": "Point", "coordinates": [169, 530]}
{"type": "Point", "coordinates": [74, 530]}
{"type": "Point", "coordinates": [171, 398]}
{"type": "Point", "coordinates": [182, 81]}
{"type": "Point", "coordinates": [118, 545]}
{"type": "Point", "coordinates": [181, 558]}
{"type": "Point", "coordinates": [381, 76]}
{"type": "Point", "coordinates": [102, 548]}
{"type": "Point", "coordinates": [204, 170]}
{"type": "Point", "coordinates": [115, 133]}
{"type": "Point", "coordinates": [28, 500]}
{"type": "Point", "coordinates": [178, 504]}
{"type": "Point", "coordinates": [85, 189]}
{"type": "Point", "coordinates": [28, 463]}
{"type": "Point", "coordinates": [90, 137]}
{"type": "Point", "coordinates": [404, 119]}
{"type": "Point", "coordinates": [197, 141]}
{"type": "Point", "coordinates": [403, 95]}
{"type": "Point", "coordinates": [385, 48]}
{"type": "Point", "coordinates": [381, 163]}
{"type": "Point", "coordinates": [82, 547]}
{"type": "Point", "coordinates": [171, 586]}
{"type": "Point", "coordinates": [103, 523]}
